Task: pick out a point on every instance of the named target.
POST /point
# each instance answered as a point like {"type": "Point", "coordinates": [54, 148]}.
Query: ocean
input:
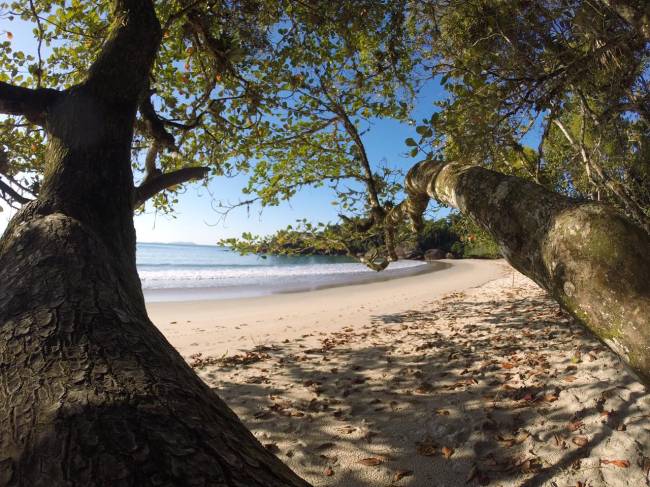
{"type": "Point", "coordinates": [188, 271]}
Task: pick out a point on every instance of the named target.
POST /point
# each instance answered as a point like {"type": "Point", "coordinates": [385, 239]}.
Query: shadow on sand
{"type": "Point", "coordinates": [497, 387]}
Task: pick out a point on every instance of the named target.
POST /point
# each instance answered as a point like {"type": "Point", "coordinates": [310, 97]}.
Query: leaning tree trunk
{"type": "Point", "coordinates": [91, 393]}
{"type": "Point", "coordinates": [589, 257]}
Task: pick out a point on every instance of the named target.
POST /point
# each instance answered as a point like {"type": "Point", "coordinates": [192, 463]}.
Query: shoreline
{"type": "Point", "coordinates": [225, 326]}
{"type": "Point", "coordinates": [216, 293]}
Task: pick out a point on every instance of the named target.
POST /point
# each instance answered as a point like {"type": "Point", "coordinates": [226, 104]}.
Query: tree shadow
{"type": "Point", "coordinates": [502, 389]}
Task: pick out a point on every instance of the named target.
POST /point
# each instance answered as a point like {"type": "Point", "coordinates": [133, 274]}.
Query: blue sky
{"type": "Point", "coordinates": [195, 219]}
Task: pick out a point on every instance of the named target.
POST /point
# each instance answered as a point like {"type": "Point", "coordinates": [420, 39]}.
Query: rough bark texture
{"type": "Point", "coordinates": [589, 257]}
{"type": "Point", "coordinates": [91, 393]}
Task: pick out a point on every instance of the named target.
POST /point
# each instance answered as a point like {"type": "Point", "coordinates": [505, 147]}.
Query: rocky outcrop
{"type": "Point", "coordinates": [434, 254]}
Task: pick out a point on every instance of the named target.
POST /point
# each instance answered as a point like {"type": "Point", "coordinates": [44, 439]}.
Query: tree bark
{"type": "Point", "coordinates": [589, 257]}
{"type": "Point", "coordinates": [91, 393]}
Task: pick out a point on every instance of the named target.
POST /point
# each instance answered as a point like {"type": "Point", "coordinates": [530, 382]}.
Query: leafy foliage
{"type": "Point", "coordinates": [453, 234]}
{"type": "Point", "coordinates": [307, 238]}
{"type": "Point", "coordinates": [576, 72]}
{"type": "Point", "coordinates": [238, 85]}
{"type": "Point", "coordinates": [285, 90]}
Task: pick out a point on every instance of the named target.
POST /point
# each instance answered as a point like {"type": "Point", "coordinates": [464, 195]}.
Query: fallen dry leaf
{"type": "Point", "coordinates": [424, 388]}
{"type": "Point", "coordinates": [324, 446]}
{"type": "Point", "coordinates": [447, 452]}
{"type": "Point", "coordinates": [531, 465]}
{"type": "Point", "coordinates": [400, 474]}
{"type": "Point", "coordinates": [426, 448]}
{"type": "Point", "coordinates": [370, 462]}
{"type": "Point", "coordinates": [616, 463]}
{"type": "Point", "coordinates": [510, 441]}
{"type": "Point", "coordinates": [580, 441]}
{"type": "Point", "coordinates": [575, 425]}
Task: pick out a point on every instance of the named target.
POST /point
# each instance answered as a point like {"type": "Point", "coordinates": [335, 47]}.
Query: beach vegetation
{"type": "Point", "coordinates": [453, 234]}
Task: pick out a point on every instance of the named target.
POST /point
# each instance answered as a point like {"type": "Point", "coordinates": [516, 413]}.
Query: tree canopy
{"type": "Point", "coordinates": [238, 85]}
{"type": "Point", "coordinates": [575, 74]}
{"type": "Point", "coordinates": [283, 91]}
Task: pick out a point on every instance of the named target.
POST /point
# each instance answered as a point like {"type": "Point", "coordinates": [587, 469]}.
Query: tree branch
{"type": "Point", "coordinates": [155, 126]}
{"type": "Point", "coordinates": [635, 12]}
{"type": "Point", "coordinates": [151, 187]}
{"type": "Point", "coordinates": [120, 72]}
{"type": "Point", "coordinates": [41, 34]}
{"type": "Point", "coordinates": [150, 169]}
{"type": "Point", "coordinates": [8, 191]}
{"type": "Point", "coordinates": [351, 129]}
{"type": "Point", "coordinates": [32, 104]}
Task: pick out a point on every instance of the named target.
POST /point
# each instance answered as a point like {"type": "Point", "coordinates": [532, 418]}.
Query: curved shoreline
{"type": "Point", "coordinates": [218, 293]}
{"type": "Point", "coordinates": [218, 326]}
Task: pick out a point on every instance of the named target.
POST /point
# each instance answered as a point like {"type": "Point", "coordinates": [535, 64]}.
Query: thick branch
{"type": "Point", "coordinates": [166, 180]}
{"type": "Point", "coordinates": [588, 256]}
{"type": "Point", "coordinates": [151, 171]}
{"type": "Point", "coordinates": [369, 179]}
{"type": "Point", "coordinates": [121, 71]}
{"type": "Point", "coordinates": [155, 126]}
{"type": "Point", "coordinates": [362, 225]}
{"type": "Point", "coordinates": [32, 104]}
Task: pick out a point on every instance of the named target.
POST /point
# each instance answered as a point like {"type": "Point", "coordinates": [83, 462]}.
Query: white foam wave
{"type": "Point", "coordinates": [254, 275]}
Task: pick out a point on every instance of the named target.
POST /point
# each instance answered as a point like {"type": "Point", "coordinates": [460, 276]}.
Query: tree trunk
{"type": "Point", "coordinates": [589, 257]}
{"type": "Point", "coordinates": [91, 393]}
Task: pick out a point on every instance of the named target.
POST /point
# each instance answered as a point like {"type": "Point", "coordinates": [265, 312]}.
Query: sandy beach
{"type": "Point", "coordinates": [469, 375]}
{"type": "Point", "coordinates": [215, 327]}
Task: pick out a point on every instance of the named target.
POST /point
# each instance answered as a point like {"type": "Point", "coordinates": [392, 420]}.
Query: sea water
{"type": "Point", "coordinates": [182, 271]}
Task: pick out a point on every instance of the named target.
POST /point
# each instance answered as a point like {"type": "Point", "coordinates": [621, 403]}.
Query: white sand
{"type": "Point", "coordinates": [226, 326]}
{"type": "Point", "coordinates": [432, 380]}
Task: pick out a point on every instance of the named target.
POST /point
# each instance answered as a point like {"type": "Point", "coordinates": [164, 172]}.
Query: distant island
{"type": "Point", "coordinates": [174, 243]}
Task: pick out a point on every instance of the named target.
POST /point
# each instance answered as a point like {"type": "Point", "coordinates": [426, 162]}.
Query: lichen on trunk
{"type": "Point", "coordinates": [589, 257]}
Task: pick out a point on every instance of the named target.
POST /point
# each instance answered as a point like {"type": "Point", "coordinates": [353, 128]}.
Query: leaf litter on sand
{"type": "Point", "coordinates": [616, 463]}
{"type": "Point", "coordinates": [371, 461]}
{"type": "Point", "coordinates": [373, 382]}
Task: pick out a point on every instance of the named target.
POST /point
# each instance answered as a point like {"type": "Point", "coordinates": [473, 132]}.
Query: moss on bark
{"type": "Point", "coordinates": [590, 258]}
